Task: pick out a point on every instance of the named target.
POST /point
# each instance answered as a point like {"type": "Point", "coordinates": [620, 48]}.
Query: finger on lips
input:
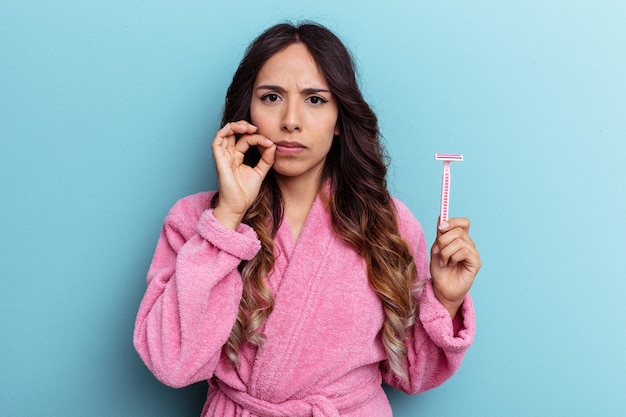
{"type": "Point", "coordinates": [246, 141]}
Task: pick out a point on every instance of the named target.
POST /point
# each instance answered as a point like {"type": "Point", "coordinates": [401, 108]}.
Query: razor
{"type": "Point", "coordinates": [445, 182]}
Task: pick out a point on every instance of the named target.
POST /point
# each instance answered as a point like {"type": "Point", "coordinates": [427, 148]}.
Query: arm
{"type": "Point", "coordinates": [436, 344]}
{"type": "Point", "coordinates": [194, 287]}
{"type": "Point", "coordinates": [193, 294]}
{"type": "Point", "coordinates": [438, 341]}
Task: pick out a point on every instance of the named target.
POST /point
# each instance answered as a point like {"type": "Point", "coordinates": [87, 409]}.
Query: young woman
{"type": "Point", "coordinates": [301, 285]}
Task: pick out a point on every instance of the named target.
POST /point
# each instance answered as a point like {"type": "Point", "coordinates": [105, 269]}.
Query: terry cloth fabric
{"type": "Point", "coordinates": [324, 355]}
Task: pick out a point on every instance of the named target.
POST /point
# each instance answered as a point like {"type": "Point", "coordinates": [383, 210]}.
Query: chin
{"type": "Point", "coordinates": [293, 172]}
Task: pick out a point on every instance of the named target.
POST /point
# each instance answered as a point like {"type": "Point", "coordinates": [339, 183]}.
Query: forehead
{"type": "Point", "coordinates": [292, 64]}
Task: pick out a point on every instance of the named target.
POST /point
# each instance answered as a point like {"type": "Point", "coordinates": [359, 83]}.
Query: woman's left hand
{"type": "Point", "coordinates": [454, 263]}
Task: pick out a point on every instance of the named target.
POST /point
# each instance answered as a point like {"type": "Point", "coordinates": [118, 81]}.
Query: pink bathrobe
{"type": "Point", "coordinates": [324, 356]}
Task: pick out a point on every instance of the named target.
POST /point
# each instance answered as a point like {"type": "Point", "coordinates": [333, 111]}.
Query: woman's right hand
{"type": "Point", "coordinates": [239, 184]}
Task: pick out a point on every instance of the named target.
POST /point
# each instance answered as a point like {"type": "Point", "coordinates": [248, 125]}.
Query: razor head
{"type": "Point", "coordinates": [453, 157]}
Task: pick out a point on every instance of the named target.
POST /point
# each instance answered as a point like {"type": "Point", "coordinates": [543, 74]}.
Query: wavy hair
{"type": "Point", "coordinates": [363, 212]}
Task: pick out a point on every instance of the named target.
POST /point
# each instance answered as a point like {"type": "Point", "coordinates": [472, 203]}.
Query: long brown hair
{"type": "Point", "coordinates": [363, 213]}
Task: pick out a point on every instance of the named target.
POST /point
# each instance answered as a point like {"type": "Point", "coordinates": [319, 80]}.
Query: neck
{"type": "Point", "coordinates": [298, 197]}
{"type": "Point", "coordinates": [298, 192]}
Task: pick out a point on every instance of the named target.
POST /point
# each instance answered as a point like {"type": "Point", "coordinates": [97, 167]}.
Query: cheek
{"type": "Point", "coordinates": [253, 113]}
{"type": "Point", "coordinates": [261, 119]}
{"type": "Point", "coordinates": [332, 124]}
{"type": "Point", "coordinates": [332, 121]}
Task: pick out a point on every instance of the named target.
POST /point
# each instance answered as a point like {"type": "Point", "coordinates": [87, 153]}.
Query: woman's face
{"type": "Point", "coordinates": [292, 105]}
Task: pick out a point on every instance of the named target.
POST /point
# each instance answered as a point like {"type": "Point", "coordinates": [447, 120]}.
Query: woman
{"type": "Point", "coordinates": [301, 285]}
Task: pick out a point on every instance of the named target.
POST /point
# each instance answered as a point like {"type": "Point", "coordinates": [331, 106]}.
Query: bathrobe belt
{"type": "Point", "coordinates": [310, 406]}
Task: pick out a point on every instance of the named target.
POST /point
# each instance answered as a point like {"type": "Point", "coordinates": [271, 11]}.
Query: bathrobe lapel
{"type": "Point", "coordinates": [302, 265]}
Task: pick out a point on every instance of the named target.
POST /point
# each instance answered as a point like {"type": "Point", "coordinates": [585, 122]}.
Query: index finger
{"type": "Point", "coordinates": [452, 223]}
{"type": "Point", "coordinates": [246, 141]}
{"type": "Point", "coordinates": [236, 128]}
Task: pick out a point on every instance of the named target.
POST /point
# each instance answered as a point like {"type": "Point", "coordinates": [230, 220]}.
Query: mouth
{"type": "Point", "coordinates": [289, 147]}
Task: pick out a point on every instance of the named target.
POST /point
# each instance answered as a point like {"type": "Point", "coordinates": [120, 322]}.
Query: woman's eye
{"type": "Point", "coordinates": [270, 97]}
{"type": "Point", "coordinates": [317, 100]}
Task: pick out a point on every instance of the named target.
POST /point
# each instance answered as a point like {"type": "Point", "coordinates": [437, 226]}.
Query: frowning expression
{"type": "Point", "coordinates": [293, 106]}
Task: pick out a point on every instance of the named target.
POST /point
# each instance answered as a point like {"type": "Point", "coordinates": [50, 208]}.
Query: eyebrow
{"type": "Point", "coordinates": [282, 90]}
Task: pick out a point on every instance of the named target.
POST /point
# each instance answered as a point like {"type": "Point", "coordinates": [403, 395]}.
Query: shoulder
{"type": "Point", "coordinates": [194, 203]}
{"type": "Point", "coordinates": [185, 213]}
{"type": "Point", "coordinates": [410, 228]}
{"type": "Point", "coordinates": [406, 219]}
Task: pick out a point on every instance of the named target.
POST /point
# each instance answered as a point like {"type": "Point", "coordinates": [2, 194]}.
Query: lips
{"type": "Point", "coordinates": [289, 147]}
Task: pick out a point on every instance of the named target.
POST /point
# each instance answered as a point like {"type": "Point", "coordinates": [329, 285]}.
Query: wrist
{"type": "Point", "coordinates": [227, 218]}
{"type": "Point", "coordinates": [452, 306]}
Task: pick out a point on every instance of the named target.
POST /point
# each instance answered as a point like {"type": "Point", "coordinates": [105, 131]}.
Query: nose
{"type": "Point", "coordinates": [291, 117]}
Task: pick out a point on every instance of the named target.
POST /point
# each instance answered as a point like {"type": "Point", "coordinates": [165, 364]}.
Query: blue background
{"type": "Point", "coordinates": [107, 111]}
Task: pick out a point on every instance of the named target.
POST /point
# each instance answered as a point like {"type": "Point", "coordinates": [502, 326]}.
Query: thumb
{"type": "Point", "coordinates": [268, 154]}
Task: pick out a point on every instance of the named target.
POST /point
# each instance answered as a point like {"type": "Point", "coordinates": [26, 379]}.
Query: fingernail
{"type": "Point", "coordinates": [441, 264]}
{"type": "Point", "coordinates": [444, 226]}
{"type": "Point", "coordinates": [436, 249]}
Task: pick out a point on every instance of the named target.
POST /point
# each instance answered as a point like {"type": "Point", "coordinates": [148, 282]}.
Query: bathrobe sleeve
{"type": "Point", "coordinates": [436, 344]}
{"type": "Point", "coordinates": [193, 293]}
